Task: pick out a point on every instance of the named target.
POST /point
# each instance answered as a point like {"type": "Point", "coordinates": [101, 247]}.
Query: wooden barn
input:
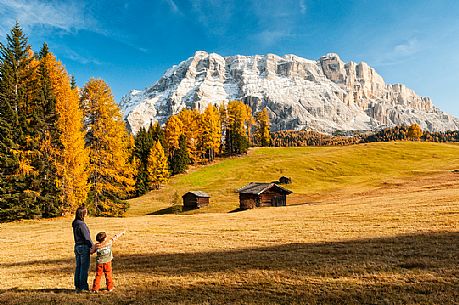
{"type": "Point", "coordinates": [257, 194]}
{"type": "Point", "coordinates": [195, 200]}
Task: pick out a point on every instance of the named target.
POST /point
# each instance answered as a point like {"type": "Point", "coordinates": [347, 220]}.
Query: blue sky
{"type": "Point", "coordinates": [130, 44]}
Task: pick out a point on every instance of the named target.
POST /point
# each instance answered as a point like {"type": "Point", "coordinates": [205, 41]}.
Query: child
{"type": "Point", "coordinates": [103, 248]}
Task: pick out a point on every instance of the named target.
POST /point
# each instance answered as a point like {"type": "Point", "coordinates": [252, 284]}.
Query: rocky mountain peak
{"type": "Point", "coordinates": [325, 94]}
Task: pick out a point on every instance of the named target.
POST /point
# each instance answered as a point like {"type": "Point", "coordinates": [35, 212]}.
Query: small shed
{"type": "Point", "coordinates": [257, 194]}
{"type": "Point", "coordinates": [195, 200]}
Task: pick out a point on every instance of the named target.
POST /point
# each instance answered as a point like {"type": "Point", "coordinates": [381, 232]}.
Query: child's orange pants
{"type": "Point", "coordinates": [105, 268]}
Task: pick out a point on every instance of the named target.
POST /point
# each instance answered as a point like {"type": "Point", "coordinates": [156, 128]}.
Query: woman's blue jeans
{"type": "Point", "coordinates": [82, 256]}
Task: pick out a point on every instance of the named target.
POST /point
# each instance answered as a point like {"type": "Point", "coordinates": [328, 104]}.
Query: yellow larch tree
{"type": "Point", "coordinates": [210, 134]}
{"type": "Point", "coordinates": [414, 132]}
{"type": "Point", "coordinates": [157, 166]}
{"type": "Point", "coordinates": [262, 135]}
{"type": "Point", "coordinates": [238, 126]}
{"type": "Point", "coordinates": [110, 174]}
{"type": "Point", "coordinates": [173, 130]}
{"type": "Point", "coordinates": [190, 121]}
{"type": "Point", "coordinates": [74, 157]}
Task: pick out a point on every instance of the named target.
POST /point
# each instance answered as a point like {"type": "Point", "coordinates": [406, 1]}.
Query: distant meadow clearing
{"type": "Point", "coordinates": [367, 224]}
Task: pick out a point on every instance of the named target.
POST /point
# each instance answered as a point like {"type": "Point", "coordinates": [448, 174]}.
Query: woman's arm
{"type": "Point", "coordinates": [93, 249]}
{"type": "Point", "coordinates": [86, 235]}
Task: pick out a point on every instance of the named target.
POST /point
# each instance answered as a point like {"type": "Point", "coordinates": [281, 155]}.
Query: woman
{"type": "Point", "coordinates": [83, 245]}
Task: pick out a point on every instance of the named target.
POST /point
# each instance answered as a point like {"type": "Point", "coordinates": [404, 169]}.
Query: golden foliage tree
{"type": "Point", "coordinates": [238, 125]}
{"type": "Point", "coordinates": [262, 135]}
{"type": "Point", "coordinates": [173, 130]}
{"type": "Point", "coordinates": [414, 132]}
{"type": "Point", "coordinates": [191, 128]}
{"type": "Point", "coordinates": [210, 135]}
{"type": "Point", "coordinates": [74, 158]}
{"type": "Point", "coordinates": [110, 175]}
{"type": "Point", "coordinates": [158, 168]}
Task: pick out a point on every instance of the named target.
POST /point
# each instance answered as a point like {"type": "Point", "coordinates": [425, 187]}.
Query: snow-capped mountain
{"type": "Point", "coordinates": [323, 95]}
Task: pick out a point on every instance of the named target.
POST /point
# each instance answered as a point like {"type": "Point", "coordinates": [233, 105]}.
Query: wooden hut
{"type": "Point", "coordinates": [195, 200]}
{"type": "Point", "coordinates": [257, 194]}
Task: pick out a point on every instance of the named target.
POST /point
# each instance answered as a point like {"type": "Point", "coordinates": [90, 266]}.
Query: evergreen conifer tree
{"type": "Point", "coordinates": [73, 84]}
{"type": "Point", "coordinates": [19, 194]}
{"type": "Point", "coordinates": [9, 164]}
{"type": "Point", "coordinates": [179, 159]}
{"type": "Point", "coordinates": [157, 134]}
{"type": "Point", "coordinates": [143, 144]}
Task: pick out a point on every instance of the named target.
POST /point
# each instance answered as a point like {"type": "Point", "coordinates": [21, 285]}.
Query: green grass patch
{"type": "Point", "coordinates": [314, 171]}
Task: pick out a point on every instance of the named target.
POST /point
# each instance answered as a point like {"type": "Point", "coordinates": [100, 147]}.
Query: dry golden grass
{"type": "Point", "coordinates": [397, 243]}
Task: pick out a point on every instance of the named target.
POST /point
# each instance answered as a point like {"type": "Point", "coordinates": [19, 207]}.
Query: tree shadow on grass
{"type": "Point", "coordinates": [416, 269]}
{"type": "Point", "coordinates": [174, 209]}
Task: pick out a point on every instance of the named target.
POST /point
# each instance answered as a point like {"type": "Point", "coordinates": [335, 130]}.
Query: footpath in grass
{"type": "Point", "coordinates": [316, 172]}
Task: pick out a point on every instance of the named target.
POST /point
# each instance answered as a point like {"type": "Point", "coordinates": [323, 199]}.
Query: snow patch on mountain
{"type": "Point", "coordinates": [324, 95]}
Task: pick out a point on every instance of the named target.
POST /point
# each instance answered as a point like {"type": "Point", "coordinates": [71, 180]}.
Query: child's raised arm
{"type": "Point", "coordinates": [114, 238]}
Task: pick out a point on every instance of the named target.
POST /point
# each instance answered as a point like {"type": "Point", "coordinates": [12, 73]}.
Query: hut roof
{"type": "Point", "coordinates": [198, 194]}
{"type": "Point", "coordinates": [257, 188]}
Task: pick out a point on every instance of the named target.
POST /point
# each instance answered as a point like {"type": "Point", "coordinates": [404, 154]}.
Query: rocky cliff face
{"type": "Point", "coordinates": [323, 95]}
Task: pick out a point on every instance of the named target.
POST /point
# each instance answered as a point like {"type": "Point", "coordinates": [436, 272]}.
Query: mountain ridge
{"type": "Point", "coordinates": [324, 95]}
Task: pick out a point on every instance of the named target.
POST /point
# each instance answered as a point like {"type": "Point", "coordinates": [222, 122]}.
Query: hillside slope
{"type": "Point", "coordinates": [396, 243]}
{"type": "Point", "coordinates": [317, 173]}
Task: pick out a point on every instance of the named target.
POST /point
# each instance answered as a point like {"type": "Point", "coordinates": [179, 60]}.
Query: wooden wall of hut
{"type": "Point", "coordinates": [247, 201]}
{"type": "Point", "coordinates": [270, 198]}
{"type": "Point", "coordinates": [190, 201]}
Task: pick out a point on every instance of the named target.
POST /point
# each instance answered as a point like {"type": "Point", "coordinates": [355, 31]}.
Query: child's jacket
{"type": "Point", "coordinates": [103, 250]}
{"type": "Point", "coordinates": [104, 255]}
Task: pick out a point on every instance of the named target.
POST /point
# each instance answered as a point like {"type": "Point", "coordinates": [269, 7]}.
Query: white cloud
{"type": "Point", "coordinates": [398, 52]}
{"type": "Point", "coordinates": [268, 38]}
{"type": "Point", "coordinates": [74, 56]}
{"type": "Point", "coordinates": [173, 6]}
{"type": "Point", "coordinates": [408, 47]}
{"type": "Point", "coordinates": [66, 16]}
{"type": "Point", "coordinates": [303, 7]}
{"type": "Point", "coordinates": [277, 20]}
{"type": "Point", "coordinates": [215, 15]}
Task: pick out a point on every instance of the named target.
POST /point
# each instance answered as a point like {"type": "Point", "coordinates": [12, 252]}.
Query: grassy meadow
{"type": "Point", "coordinates": [317, 173]}
{"type": "Point", "coordinates": [367, 224]}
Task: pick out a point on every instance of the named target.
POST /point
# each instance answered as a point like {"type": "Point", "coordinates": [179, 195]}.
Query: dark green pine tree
{"type": "Point", "coordinates": [179, 160]}
{"type": "Point", "coordinates": [143, 144]}
{"type": "Point", "coordinates": [157, 133]}
{"type": "Point", "coordinates": [144, 140]}
{"type": "Point", "coordinates": [73, 83]}
{"type": "Point", "coordinates": [9, 164]}
{"type": "Point", "coordinates": [44, 51]}
{"type": "Point", "coordinates": [17, 89]}
{"type": "Point", "coordinates": [236, 143]}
